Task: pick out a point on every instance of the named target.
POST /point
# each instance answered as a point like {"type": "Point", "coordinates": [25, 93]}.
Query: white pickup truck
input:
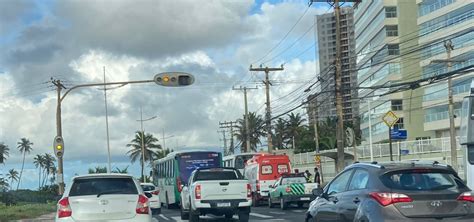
{"type": "Point", "coordinates": [218, 191]}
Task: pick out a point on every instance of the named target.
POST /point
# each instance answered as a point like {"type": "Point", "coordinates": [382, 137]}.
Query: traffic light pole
{"type": "Point", "coordinates": [59, 131]}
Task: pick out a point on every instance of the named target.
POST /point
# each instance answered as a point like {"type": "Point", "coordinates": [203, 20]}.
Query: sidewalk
{"type": "Point", "coordinates": [45, 218]}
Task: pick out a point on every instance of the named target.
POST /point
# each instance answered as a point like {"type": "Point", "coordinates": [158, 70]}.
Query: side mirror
{"type": "Point", "coordinates": [317, 191]}
{"type": "Point", "coordinates": [271, 186]}
{"type": "Point", "coordinates": [149, 195]}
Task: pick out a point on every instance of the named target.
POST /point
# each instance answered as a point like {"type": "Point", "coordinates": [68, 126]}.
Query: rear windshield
{"type": "Point", "coordinates": [95, 186]}
{"type": "Point", "coordinates": [421, 179]}
{"type": "Point", "coordinates": [148, 188]}
{"type": "Point", "coordinates": [217, 174]}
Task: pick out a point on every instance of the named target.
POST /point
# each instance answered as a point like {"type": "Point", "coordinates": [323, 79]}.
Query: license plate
{"type": "Point", "coordinates": [223, 204]}
{"type": "Point", "coordinates": [305, 198]}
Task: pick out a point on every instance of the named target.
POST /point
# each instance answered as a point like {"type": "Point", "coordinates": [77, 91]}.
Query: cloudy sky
{"type": "Point", "coordinates": [134, 40]}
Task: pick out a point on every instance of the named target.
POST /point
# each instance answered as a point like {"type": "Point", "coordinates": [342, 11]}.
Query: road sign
{"type": "Point", "coordinates": [399, 134]}
{"type": "Point", "coordinates": [390, 118]}
{"type": "Point", "coordinates": [404, 152]}
{"type": "Point", "coordinates": [317, 159]}
{"type": "Point", "coordinates": [174, 79]}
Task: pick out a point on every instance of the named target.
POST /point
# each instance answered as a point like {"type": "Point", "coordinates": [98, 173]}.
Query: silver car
{"type": "Point", "coordinates": [104, 197]}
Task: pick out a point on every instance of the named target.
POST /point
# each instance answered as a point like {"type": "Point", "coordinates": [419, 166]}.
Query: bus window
{"type": "Point", "coordinates": [190, 161]}
{"type": "Point", "coordinates": [267, 169]}
{"type": "Point", "coordinates": [470, 154]}
{"type": "Point", "coordinates": [239, 163]}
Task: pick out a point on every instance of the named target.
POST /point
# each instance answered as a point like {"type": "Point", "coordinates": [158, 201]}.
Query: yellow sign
{"type": "Point", "coordinates": [390, 118]}
{"type": "Point", "coordinates": [317, 158]}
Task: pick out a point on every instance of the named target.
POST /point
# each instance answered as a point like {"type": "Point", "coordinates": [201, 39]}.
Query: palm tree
{"type": "Point", "coordinates": [25, 147]}
{"type": "Point", "coordinates": [98, 169]}
{"type": "Point", "coordinates": [48, 165]}
{"type": "Point", "coordinates": [39, 163]}
{"type": "Point", "coordinates": [280, 135]}
{"type": "Point", "coordinates": [3, 184]}
{"type": "Point", "coordinates": [4, 152]}
{"type": "Point", "coordinates": [12, 176]}
{"type": "Point", "coordinates": [151, 148]}
{"type": "Point", "coordinates": [118, 170]}
{"type": "Point", "coordinates": [294, 127]}
{"type": "Point", "coordinates": [256, 131]}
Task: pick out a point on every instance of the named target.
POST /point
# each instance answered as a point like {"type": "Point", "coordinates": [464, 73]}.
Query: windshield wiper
{"type": "Point", "coordinates": [108, 192]}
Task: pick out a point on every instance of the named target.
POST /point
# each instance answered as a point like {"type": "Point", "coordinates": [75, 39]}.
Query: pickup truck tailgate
{"type": "Point", "coordinates": [223, 189]}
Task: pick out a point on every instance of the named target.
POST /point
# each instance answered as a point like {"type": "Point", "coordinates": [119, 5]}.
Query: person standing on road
{"type": "Point", "coordinates": [317, 176]}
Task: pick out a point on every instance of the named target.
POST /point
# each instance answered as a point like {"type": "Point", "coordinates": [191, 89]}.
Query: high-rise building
{"type": "Point", "coordinates": [326, 31]}
{"type": "Point", "coordinates": [440, 21]}
{"type": "Point", "coordinates": [386, 35]}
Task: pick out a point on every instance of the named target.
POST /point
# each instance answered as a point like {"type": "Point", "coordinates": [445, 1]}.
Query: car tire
{"type": "Point", "coordinates": [193, 216]}
{"type": "Point", "coordinates": [254, 200]}
{"type": "Point", "coordinates": [283, 203]}
{"type": "Point", "coordinates": [156, 211]}
{"type": "Point", "coordinates": [184, 215]}
{"type": "Point", "coordinates": [244, 216]}
{"type": "Point", "coordinates": [229, 216]}
{"type": "Point", "coordinates": [270, 204]}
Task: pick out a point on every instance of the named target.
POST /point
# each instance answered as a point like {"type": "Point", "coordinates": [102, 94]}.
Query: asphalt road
{"type": "Point", "coordinates": [262, 213]}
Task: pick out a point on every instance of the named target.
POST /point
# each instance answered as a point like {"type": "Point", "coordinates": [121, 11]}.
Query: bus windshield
{"type": "Point", "coordinates": [188, 162]}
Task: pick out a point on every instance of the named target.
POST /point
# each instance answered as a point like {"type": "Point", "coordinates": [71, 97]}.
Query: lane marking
{"type": "Point", "coordinates": [279, 213]}
{"type": "Point", "coordinates": [178, 219]}
{"type": "Point", "coordinates": [154, 219]}
{"type": "Point", "coordinates": [164, 217]}
{"type": "Point", "coordinates": [278, 219]}
{"type": "Point", "coordinates": [260, 215]}
{"type": "Point", "coordinates": [298, 211]}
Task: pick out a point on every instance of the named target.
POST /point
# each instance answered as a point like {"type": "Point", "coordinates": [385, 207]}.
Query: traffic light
{"type": "Point", "coordinates": [174, 79]}
{"type": "Point", "coordinates": [58, 146]}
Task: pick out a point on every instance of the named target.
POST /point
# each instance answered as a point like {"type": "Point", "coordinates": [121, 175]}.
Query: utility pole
{"type": "Point", "coordinates": [246, 117]}
{"type": "Point", "coordinates": [338, 77]}
{"type": "Point", "coordinates": [59, 132]}
{"type": "Point", "coordinates": [268, 115]}
{"type": "Point", "coordinates": [452, 130]}
{"type": "Point", "coordinates": [223, 139]}
{"type": "Point", "coordinates": [141, 120]}
{"type": "Point", "coordinates": [230, 125]}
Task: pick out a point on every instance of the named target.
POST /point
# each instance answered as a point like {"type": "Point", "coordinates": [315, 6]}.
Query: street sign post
{"type": "Point", "coordinates": [390, 119]}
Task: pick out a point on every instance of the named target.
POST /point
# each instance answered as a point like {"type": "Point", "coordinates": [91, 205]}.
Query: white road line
{"type": "Point", "coordinates": [298, 211]}
{"type": "Point", "coordinates": [164, 217]}
{"type": "Point", "coordinates": [155, 220]}
{"type": "Point", "coordinates": [275, 212]}
{"type": "Point", "coordinates": [260, 215]}
{"type": "Point", "coordinates": [279, 219]}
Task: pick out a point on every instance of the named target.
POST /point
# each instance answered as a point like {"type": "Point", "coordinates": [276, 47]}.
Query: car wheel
{"type": "Point", "coordinates": [193, 216]}
{"type": "Point", "coordinates": [184, 214]}
{"type": "Point", "coordinates": [244, 216]}
{"type": "Point", "coordinates": [254, 200]}
{"type": "Point", "coordinates": [270, 204]}
{"type": "Point", "coordinates": [283, 204]}
{"type": "Point", "coordinates": [229, 216]}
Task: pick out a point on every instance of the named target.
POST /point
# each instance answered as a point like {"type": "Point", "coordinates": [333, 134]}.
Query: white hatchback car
{"type": "Point", "coordinates": [104, 197]}
{"type": "Point", "coordinates": [153, 197]}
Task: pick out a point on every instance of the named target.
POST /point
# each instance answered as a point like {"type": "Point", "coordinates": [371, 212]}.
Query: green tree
{"type": "Point", "coordinates": [3, 184]}
{"type": "Point", "coordinates": [12, 176]}
{"type": "Point", "coordinates": [25, 146]}
{"type": "Point", "coordinates": [294, 127]}
{"type": "Point", "coordinates": [151, 148]}
{"type": "Point", "coordinates": [256, 131]}
{"type": "Point", "coordinates": [280, 135]}
{"type": "Point", "coordinates": [4, 152]}
{"type": "Point", "coordinates": [49, 166]}
{"type": "Point", "coordinates": [118, 170]}
{"type": "Point", "coordinates": [98, 169]}
{"type": "Point", "coordinates": [39, 163]}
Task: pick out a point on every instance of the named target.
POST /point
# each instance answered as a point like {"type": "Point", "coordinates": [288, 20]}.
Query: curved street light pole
{"type": "Point", "coordinates": [141, 120]}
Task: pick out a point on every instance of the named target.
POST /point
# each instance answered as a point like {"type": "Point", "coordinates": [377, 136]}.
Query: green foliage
{"type": "Point", "coordinates": [98, 169]}
{"type": "Point", "coordinates": [25, 211]}
{"type": "Point", "coordinates": [118, 170]}
{"type": "Point", "coordinates": [256, 131]}
{"type": "Point", "coordinates": [4, 152]}
{"type": "Point", "coordinates": [30, 196]}
{"type": "Point", "coordinates": [24, 146]}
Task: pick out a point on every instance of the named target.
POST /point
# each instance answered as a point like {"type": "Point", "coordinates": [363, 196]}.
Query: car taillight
{"type": "Point", "coordinates": [288, 189]}
{"type": "Point", "coordinates": [197, 192]}
{"type": "Point", "coordinates": [249, 191]}
{"type": "Point", "coordinates": [386, 199]}
{"type": "Point", "coordinates": [156, 192]}
{"type": "Point", "coordinates": [64, 209]}
{"type": "Point", "coordinates": [142, 205]}
{"type": "Point", "coordinates": [178, 183]}
{"type": "Point", "coordinates": [466, 196]}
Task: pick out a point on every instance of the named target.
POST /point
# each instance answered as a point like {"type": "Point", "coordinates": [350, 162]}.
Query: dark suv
{"type": "Point", "coordinates": [401, 191]}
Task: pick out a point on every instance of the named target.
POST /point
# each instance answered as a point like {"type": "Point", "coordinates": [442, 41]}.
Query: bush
{"type": "Point", "coordinates": [28, 196]}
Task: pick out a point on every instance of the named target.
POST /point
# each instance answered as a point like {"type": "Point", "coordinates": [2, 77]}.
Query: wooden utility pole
{"type": "Point", "coordinates": [223, 139]}
{"type": "Point", "coordinates": [59, 132]}
{"type": "Point", "coordinates": [230, 125]}
{"type": "Point", "coordinates": [268, 115]}
{"type": "Point", "coordinates": [338, 77]}
{"type": "Point", "coordinates": [246, 118]}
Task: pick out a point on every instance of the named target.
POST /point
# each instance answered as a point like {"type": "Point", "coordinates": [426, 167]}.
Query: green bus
{"type": "Point", "coordinates": [172, 171]}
